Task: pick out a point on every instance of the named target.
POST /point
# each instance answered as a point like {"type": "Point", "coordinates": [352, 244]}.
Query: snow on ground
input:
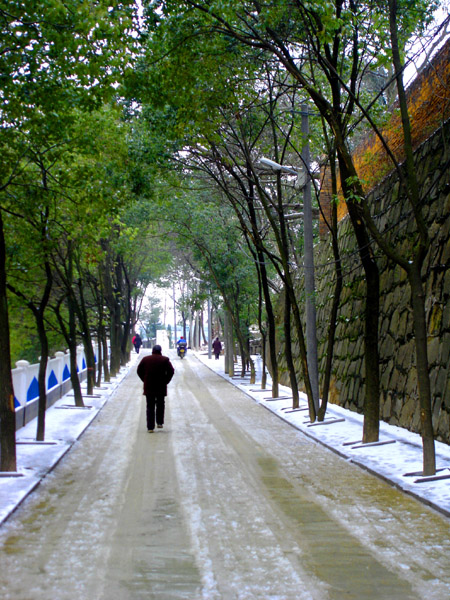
{"type": "Point", "coordinates": [397, 458]}
{"type": "Point", "coordinates": [64, 424]}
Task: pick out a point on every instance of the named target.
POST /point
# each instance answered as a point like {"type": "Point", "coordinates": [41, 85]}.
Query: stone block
{"type": "Point", "coordinates": [404, 355]}
{"type": "Point", "coordinates": [359, 347]}
{"type": "Point", "coordinates": [433, 348]}
{"type": "Point", "coordinates": [416, 423]}
{"type": "Point", "coordinates": [407, 411]}
{"type": "Point", "coordinates": [444, 352]}
{"type": "Point", "coordinates": [397, 405]}
{"type": "Point", "coordinates": [386, 280]}
{"type": "Point", "coordinates": [411, 384]}
{"type": "Point", "coordinates": [435, 315]}
{"type": "Point", "coordinates": [403, 324]}
{"type": "Point", "coordinates": [385, 375]}
{"type": "Point", "coordinates": [442, 428]}
{"type": "Point", "coordinates": [393, 328]}
{"type": "Point", "coordinates": [440, 381]}
{"type": "Point", "coordinates": [385, 354]}
{"type": "Point", "coordinates": [384, 326]}
{"type": "Point", "coordinates": [446, 393]}
{"type": "Point", "coordinates": [386, 407]}
{"type": "Point", "coordinates": [446, 283]}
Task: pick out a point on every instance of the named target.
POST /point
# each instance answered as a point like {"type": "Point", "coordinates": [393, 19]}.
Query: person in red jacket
{"type": "Point", "coordinates": [156, 371]}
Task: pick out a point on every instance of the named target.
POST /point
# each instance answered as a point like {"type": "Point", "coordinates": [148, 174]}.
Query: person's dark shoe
{"type": "Point", "coordinates": [160, 426]}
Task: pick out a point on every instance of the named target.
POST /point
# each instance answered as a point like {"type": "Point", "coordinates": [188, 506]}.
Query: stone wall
{"type": "Point", "coordinates": [428, 100]}
{"type": "Point", "coordinates": [399, 394]}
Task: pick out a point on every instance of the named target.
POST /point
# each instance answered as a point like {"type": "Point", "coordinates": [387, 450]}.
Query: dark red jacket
{"type": "Point", "coordinates": [155, 371]}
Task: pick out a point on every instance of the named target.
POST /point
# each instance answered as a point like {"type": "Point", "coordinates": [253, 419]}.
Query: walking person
{"type": "Point", "coordinates": [217, 347]}
{"type": "Point", "coordinates": [137, 342]}
{"type": "Point", "coordinates": [156, 371]}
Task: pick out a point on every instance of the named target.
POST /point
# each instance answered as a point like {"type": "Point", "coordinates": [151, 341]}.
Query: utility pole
{"type": "Point", "coordinates": [308, 253]}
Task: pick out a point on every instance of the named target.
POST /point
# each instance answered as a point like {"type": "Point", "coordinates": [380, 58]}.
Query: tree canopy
{"type": "Point", "coordinates": [133, 141]}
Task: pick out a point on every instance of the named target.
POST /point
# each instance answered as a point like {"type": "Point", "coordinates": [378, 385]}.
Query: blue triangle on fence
{"type": "Point", "coordinates": [33, 390]}
{"type": "Point", "coordinates": [66, 373]}
{"type": "Point", "coordinates": [52, 381]}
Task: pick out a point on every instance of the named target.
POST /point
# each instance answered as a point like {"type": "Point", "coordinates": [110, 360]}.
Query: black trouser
{"type": "Point", "coordinates": [158, 402]}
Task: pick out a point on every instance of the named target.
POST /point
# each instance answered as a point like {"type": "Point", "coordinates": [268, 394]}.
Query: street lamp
{"type": "Point", "coordinates": [277, 167]}
{"type": "Point", "coordinates": [311, 335]}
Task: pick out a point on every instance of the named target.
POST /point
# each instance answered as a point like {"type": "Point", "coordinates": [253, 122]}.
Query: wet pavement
{"type": "Point", "coordinates": [226, 502]}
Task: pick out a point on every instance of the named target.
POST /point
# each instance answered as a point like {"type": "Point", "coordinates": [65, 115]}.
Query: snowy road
{"type": "Point", "coordinates": [226, 502]}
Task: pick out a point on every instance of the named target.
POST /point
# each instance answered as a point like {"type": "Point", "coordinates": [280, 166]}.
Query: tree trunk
{"type": "Point", "coordinates": [38, 312]}
{"type": "Point", "coordinates": [288, 350]}
{"type": "Point", "coordinates": [42, 405]}
{"type": "Point", "coordinates": [271, 327]}
{"type": "Point", "coordinates": [90, 363]}
{"type": "Point", "coordinates": [334, 307]}
{"type": "Point", "coordinates": [414, 268]}
{"type": "Point", "coordinates": [226, 338]}
{"type": "Point", "coordinates": [371, 429]}
{"type": "Point", "coordinates": [423, 379]}
{"type": "Point", "coordinates": [114, 333]}
{"type": "Point", "coordinates": [100, 334]}
{"type": "Point", "coordinates": [86, 336]}
{"type": "Point", "coordinates": [243, 357]}
{"type": "Point", "coordinates": [229, 346]}
{"type": "Point", "coordinates": [264, 368]}
{"type": "Point", "coordinates": [231, 353]}
{"type": "Point", "coordinates": [72, 342]}
{"type": "Point", "coordinates": [202, 328]}
{"type": "Point", "coordinates": [74, 379]}
{"type": "Point", "coordinates": [104, 342]}
{"type": "Point", "coordinates": [184, 320]}
{"type": "Point", "coordinates": [283, 247]}
{"type": "Point", "coordinates": [8, 460]}
{"type": "Point", "coordinates": [113, 304]}
{"type": "Point", "coordinates": [261, 266]}
{"type": "Point", "coordinates": [125, 345]}
{"type": "Point", "coordinates": [371, 426]}
{"type": "Point", "coordinates": [99, 374]}
{"type": "Point", "coordinates": [43, 340]}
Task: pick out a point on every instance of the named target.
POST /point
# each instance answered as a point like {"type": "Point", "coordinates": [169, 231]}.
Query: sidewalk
{"type": "Point", "coordinates": [64, 424]}
{"type": "Point", "coordinates": [397, 458]}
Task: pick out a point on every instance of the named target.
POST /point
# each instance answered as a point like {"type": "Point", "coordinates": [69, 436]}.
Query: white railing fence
{"type": "Point", "coordinates": [57, 377]}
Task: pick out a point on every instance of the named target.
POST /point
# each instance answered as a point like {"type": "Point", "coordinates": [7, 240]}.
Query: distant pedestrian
{"type": "Point", "coordinates": [156, 371]}
{"type": "Point", "coordinates": [217, 348]}
{"type": "Point", "coordinates": [137, 342]}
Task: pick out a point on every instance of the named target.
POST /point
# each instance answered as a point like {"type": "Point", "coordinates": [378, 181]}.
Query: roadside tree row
{"type": "Point", "coordinates": [233, 76]}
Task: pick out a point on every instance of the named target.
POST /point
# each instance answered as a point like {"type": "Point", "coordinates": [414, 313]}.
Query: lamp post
{"type": "Point", "coordinates": [311, 335]}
